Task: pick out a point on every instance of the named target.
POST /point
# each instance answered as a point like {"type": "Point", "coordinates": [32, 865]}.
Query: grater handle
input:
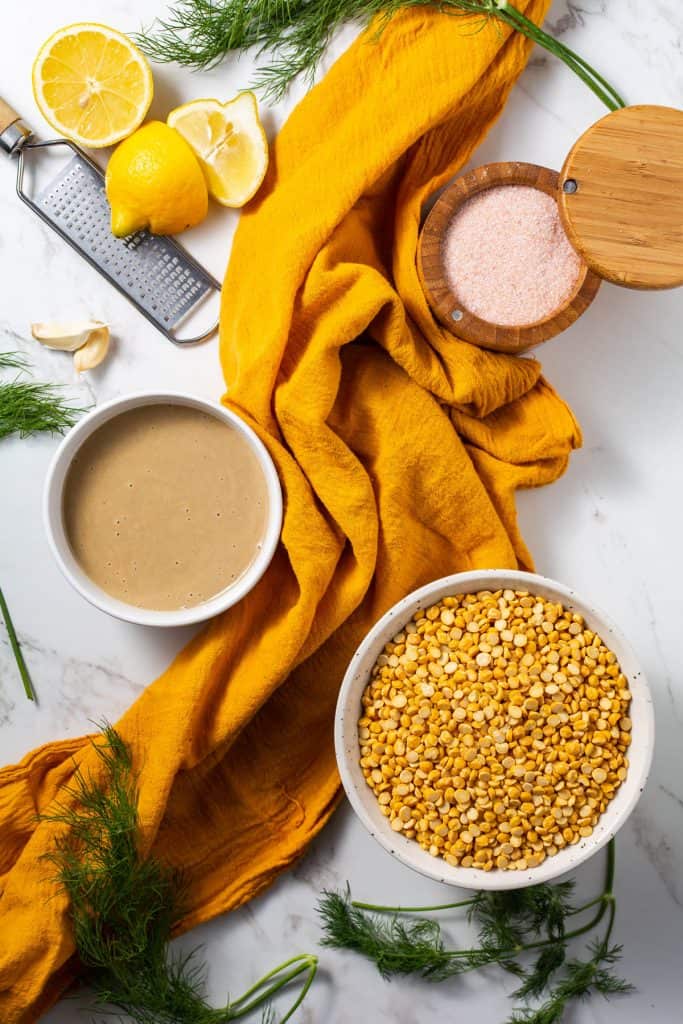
{"type": "Point", "coordinates": [7, 115]}
{"type": "Point", "coordinates": [13, 132]}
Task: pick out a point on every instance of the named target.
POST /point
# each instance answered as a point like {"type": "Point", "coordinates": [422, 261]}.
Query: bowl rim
{"type": "Point", "coordinates": [407, 851]}
{"type": "Point", "coordinates": [454, 316]}
{"type": "Point", "coordinates": [59, 545]}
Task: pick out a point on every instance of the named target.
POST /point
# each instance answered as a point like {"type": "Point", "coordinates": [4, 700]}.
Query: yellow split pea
{"type": "Point", "coordinates": [494, 729]}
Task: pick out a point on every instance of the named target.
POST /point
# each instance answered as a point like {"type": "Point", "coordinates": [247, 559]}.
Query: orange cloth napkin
{"type": "Point", "coordinates": [399, 450]}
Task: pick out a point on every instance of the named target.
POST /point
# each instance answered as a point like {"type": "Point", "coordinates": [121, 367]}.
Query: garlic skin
{"type": "Point", "coordinates": [90, 355]}
{"type": "Point", "coordinates": [87, 339]}
{"type": "Point", "coordinates": [67, 337]}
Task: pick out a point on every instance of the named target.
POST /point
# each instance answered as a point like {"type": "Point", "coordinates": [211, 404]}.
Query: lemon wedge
{"type": "Point", "coordinates": [92, 84]}
{"type": "Point", "coordinates": [229, 141]}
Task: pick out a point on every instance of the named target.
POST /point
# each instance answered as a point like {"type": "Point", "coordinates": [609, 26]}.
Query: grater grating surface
{"type": "Point", "coordinates": [154, 272]}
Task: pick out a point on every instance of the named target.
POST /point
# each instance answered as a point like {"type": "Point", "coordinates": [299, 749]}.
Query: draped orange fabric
{"type": "Point", "coordinates": [399, 449]}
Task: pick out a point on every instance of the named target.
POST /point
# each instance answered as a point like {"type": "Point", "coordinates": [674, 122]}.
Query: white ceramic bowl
{"type": "Point", "coordinates": [54, 525]}
{"type": "Point", "coordinates": [363, 799]}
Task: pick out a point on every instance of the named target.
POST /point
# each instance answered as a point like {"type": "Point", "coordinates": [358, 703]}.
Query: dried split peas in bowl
{"type": "Point", "coordinates": [493, 730]}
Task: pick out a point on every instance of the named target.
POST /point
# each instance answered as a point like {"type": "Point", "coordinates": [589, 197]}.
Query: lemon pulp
{"type": "Point", "coordinates": [229, 142]}
{"type": "Point", "coordinates": [92, 84]}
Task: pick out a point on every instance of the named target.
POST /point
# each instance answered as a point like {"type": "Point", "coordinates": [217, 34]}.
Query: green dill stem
{"type": "Point", "coordinates": [604, 897]}
{"type": "Point", "coordinates": [304, 962]}
{"type": "Point", "coordinates": [16, 649]}
{"type": "Point", "coordinates": [560, 49]}
{"type": "Point", "coordinates": [610, 923]}
{"type": "Point", "coordinates": [605, 901]}
{"type": "Point", "coordinates": [594, 921]}
{"type": "Point", "coordinates": [525, 947]}
{"type": "Point", "coordinates": [595, 82]}
{"type": "Point", "coordinates": [607, 894]}
{"type": "Point", "coordinates": [586, 906]}
{"type": "Point", "coordinates": [608, 891]}
{"type": "Point", "coordinates": [378, 908]}
{"type": "Point", "coordinates": [13, 361]}
{"type": "Point", "coordinates": [567, 55]}
{"type": "Point", "coordinates": [313, 968]}
{"type": "Point", "coordinates": [200, 32]}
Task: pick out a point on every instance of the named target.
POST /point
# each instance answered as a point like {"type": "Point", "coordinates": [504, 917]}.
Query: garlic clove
{"type": "Point", "coordinates": [68, 337]}
{"type": "Point", "coordinates": [90, 355]}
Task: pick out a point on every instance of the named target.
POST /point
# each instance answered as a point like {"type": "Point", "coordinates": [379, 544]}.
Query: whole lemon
{"type": "Point", "coordinates": [154, 181]}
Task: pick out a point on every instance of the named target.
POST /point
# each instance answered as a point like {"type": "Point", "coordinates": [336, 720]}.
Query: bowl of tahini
{"type": "Point", "coordinates": [494, 730]}
{"type": "Point", "coordinates": [162, 508]}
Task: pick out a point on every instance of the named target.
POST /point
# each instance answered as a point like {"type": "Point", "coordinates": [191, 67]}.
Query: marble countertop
{"type": "Point", "coordinates": [610, 527]}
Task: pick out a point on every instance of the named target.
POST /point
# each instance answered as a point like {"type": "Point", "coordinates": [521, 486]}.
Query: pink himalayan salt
{"type": "Point", "coordinates": [507, 258]}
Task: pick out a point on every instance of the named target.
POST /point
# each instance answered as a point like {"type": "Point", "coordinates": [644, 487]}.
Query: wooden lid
{"type": "Point", "coordinates": [621, 197]}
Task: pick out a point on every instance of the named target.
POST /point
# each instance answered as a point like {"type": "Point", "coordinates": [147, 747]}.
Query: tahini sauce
{"type": "Point", "coordinates": [165, 506]}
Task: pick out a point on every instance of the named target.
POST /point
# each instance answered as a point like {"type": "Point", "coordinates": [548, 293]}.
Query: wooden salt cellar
{"type": "Point", "coordinates": [430, 267]}
{"type": "Point", "coordinates": [620, 198]}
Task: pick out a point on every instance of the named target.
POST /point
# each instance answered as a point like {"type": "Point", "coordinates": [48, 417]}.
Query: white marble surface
{"type": "Point", "coordinates": [610, 527]}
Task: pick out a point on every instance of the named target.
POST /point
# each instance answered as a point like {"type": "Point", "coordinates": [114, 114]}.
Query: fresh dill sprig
{"type": "Point", "coordinates": [16, 649]}
{"type": "Point", "coordinates": [29, 407]}
{"type": "Point", "coordinates": [296, 33]}
{"type": "Point", "coordinates": [510, 925]}
{"type": "Point", "coordinates": [13, 361]}
{"type": "Point", "coordinates": [123, 907]}
{"type": "Point", "coordinates": [538, 977]}
{"type": "Point", "coordinates": [507, 918]}
{"type": "Point", "coordinates": [582, 978]}
{"type": "Point", "coordinates": [395, 946]}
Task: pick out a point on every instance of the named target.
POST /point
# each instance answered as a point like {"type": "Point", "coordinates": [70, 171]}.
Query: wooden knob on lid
{"type": "Point", "coordinates": [621, 197]}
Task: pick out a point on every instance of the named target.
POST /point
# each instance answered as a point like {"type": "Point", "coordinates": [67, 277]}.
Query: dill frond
{"type": "Point", "coordinates": [537, 979]}
{"type": "Point", "coordinates": [511, 927]}
{"type": "Point", "coordinates": [582, 978]}
{"type": "Point", "coordinates": [13, 361]}
{"type": "Point", "coordinates": [510, 918]}
{"type": "Point", "coordinates": [294, 34]}
{"type": "Point", "coordinates": [123, 906]}
{"type": "Point", "coordinates": [394, 945]}
{"type": "Point", "coordinates": [28, 407]}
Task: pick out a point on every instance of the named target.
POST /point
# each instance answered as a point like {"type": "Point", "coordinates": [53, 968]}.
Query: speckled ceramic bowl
{"type": "Point", "coordinates": [363, 799]}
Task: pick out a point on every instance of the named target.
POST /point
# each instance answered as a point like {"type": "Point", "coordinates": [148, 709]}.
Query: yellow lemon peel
{"type": "Point", "coordinates": [154, 181]}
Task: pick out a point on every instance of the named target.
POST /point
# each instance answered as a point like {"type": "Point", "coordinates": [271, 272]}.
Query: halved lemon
{"type": "Point", "coordinates": [92, 84]}
{"type": "Point", "coordinates": [229, 142]}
